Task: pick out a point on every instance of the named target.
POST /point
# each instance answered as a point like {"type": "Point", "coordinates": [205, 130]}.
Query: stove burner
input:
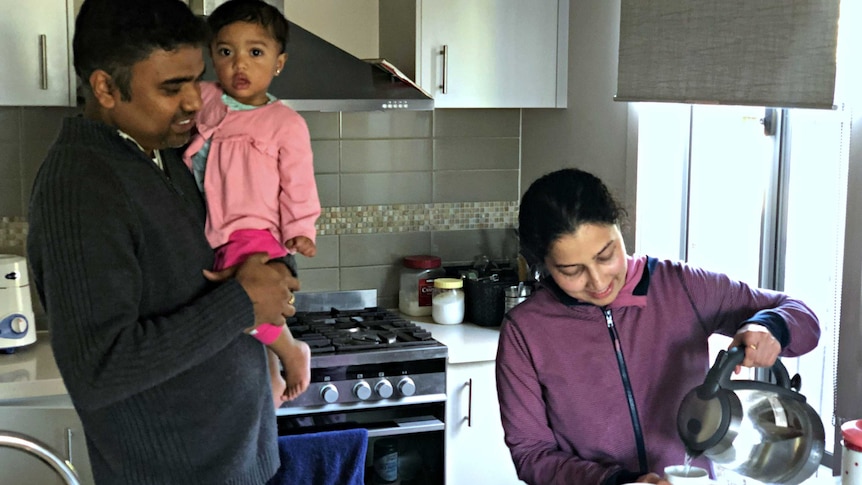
{"type": "Point", "coordinates": [354, 330]}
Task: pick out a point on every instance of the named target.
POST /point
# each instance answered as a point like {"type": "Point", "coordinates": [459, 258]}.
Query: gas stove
{"type": "Point", "coordinates": [371, 369]}
{"type": "Point", "coordinates": [363, 355]}
{"type": "Point", "coordinates": [341, 331]}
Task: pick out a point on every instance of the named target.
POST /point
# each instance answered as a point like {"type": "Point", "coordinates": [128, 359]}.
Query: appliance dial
{"type": "Point", "coordinates": [362, 390]}
{"type": "Point", "coordinates": [329, 393]}
{"type": "Point", "coordinates": [19, 324]}
{"type": "Point", "coordinates": [383, 389]}
{"type": "Point", "coordinates": [407, 387]}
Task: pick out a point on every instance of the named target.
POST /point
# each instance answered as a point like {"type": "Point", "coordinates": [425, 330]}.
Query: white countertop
{"type": "Point", "coordinates": [467, 342]}
{"type": "Point", "coordinates": [825, 478]}
{"type": "Point", "coordinates": [30, 372]}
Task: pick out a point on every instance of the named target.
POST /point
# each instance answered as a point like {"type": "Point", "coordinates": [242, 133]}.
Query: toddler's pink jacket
{"type": "Point", "coordinates": [259, 174]}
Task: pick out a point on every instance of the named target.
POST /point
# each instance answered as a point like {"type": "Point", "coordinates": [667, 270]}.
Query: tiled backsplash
{"type": "Point", "coordinates": [454, 216]}
{"type": "Point", "coordinates": [13, 235]}
{"type": "Point", "coordinates": [444, 182]}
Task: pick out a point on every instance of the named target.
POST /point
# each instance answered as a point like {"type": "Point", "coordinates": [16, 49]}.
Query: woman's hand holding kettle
{"type": "Point", "coordinates": [761, 348]}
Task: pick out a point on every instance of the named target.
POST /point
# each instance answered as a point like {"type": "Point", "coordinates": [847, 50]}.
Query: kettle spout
{"type": "Point", "coordinates": [690, 453]}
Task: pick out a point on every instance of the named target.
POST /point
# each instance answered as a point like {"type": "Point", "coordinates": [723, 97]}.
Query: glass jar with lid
{"type": "Point", "coordinates": [417, 283]}
{"type": "Point", "coordinates": [447, 301]}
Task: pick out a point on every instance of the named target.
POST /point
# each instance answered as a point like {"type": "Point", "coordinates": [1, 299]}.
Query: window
{"type": "Point", "coordinates": [716, 188]}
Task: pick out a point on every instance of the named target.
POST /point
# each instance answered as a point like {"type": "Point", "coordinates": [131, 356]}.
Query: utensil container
{"type": "Point", "coordinates": [486, 299]}
{"type": "Point", "coordinates": [514, 295]}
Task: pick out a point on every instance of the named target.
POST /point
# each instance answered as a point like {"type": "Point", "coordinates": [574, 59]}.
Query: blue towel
{"type": "Point", "coordinates": [327, 458]}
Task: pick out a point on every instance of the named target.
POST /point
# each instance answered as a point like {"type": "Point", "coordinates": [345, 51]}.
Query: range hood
{"type": "Point", "coordinates": [319, 76]}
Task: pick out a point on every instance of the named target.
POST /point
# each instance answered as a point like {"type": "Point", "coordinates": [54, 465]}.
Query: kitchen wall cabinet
{"type": "Point", "coordinates": [36, 41]}
{"type": "Point", "coordinates": [475, 450]}
{"type": "Point", "coordinates": [482, 53]}
{"type": "Point", "coordinates": [53, 421]}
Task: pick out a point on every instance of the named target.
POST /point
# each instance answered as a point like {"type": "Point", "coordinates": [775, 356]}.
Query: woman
{"type": "Point", "coordinates": [592, 368]}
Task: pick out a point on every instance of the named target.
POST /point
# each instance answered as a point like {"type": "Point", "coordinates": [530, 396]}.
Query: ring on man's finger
{"type": "Point", "coordinates": [753, 347]}
{"type": "Point", "coordinates": [292, 299]}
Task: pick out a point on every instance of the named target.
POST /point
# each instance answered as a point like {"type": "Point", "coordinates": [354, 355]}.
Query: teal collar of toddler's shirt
{"type": "Point", "coordinates": [235, 105]}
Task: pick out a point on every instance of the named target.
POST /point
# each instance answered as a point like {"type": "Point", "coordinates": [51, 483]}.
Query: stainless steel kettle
{"type": "Point", "coordinates": [757, 429]}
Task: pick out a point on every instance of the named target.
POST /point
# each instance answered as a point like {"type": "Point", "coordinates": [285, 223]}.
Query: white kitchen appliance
{"type": "Point", "coordinates": [17, 323]}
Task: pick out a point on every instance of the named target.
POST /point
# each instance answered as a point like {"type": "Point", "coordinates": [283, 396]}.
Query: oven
{"type": "Point", "coordinates": [370, 368]}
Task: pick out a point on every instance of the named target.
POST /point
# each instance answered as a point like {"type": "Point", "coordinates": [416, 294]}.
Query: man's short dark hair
{"type": "Point", "coordinates": [112, 35]}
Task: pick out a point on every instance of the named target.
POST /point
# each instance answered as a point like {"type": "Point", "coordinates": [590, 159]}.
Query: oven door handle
{"type": "Point", "coordinates": [408, 426]}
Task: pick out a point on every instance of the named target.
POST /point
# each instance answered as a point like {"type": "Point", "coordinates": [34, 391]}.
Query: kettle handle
{"type": "Point", "coordinates": [719, 375]}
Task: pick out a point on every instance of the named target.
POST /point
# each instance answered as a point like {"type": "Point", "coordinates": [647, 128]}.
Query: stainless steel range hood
{"type": "Point", "coordinates": [319, 76]}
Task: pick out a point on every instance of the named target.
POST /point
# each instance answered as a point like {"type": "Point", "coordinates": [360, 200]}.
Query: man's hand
{"type": "Point", "coordinates": [291, 281]}
{"type": "Point", "coordinates": [268, 286]}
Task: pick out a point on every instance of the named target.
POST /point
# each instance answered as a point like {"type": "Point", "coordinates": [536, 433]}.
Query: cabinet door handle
{"type": "Point", "coordinates": [43, 52]}
{"type": "Point", "coordinates": [444, 86]}
{"type": "Point", "coordinates": [469, 385]}
{"type": "Point", "coordinates": [69, 444]}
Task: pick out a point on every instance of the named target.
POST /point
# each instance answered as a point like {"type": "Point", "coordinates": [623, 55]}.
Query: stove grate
{"type": "Point", "coordinates": [343, 331]}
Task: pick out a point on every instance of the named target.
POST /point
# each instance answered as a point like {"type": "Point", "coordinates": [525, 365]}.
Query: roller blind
{"type": "Point", "coordinates": [777, 53]}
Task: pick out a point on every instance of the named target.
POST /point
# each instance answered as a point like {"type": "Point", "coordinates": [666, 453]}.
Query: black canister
{"type": "Point", "coordinates": [385, 461]}
{"type": "Point", "coordinates": [486, 299]}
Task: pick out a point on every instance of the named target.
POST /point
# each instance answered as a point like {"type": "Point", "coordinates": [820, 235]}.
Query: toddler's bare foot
{"type": "Point", "coordinates": [278, 389]}
{"type": "Point", "coordinates": [297, 369]}
{"type": "Point", "coordinates": [276, 378]}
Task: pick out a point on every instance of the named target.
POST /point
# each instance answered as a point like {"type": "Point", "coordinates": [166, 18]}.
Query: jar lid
{"type": "Point", "coordinates": [422, 261]}
{"type": "Point", "coordinates": [851, 431]}
{"type": "Point", "coordinates": [448, 283]}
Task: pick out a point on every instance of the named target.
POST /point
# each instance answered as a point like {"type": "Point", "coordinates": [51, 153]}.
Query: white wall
{"type": "Point", "coordinates": [592, 132]}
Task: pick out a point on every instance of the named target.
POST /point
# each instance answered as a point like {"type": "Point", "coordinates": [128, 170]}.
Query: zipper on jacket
{"type": "Point", "coordinates": [627, 387]}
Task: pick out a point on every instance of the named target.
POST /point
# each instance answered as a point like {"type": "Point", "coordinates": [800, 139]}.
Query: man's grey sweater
{"type": "Point", "coordinates": [169, 389]}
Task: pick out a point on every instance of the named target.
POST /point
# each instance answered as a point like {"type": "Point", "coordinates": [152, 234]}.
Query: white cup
{"type": "Point", "coordinates": [678, 475]}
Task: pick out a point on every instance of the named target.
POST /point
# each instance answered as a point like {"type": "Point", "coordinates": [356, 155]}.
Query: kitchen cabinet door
{"type": "Point", "coordinates": [492, 53]}
{"type": "Point", "coordinates": [481, 53]}
{"type": "Point", "coordinates": [35, 37]}
{"type": "Point", "coordinates": [57, 427]}
{"type": "Point", "coordinates": [475, 450]}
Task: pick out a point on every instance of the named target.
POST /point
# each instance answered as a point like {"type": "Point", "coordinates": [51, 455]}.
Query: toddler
{"type": "Point", "coordinates": [252, 159]}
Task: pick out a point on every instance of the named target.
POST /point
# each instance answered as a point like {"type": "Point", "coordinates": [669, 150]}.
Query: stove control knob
{"type": "Point", "coordinates": [362, 390]}
{"type": "Point", "coordinates": [407, 387]}
{"type": "Point", "coordinates": [383, 389]}
{"type": "Point", "coordinates": [329, 393]}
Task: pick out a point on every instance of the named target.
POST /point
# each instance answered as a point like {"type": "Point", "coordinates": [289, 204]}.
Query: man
{"type": "Point", "coordinates": [152, 349]}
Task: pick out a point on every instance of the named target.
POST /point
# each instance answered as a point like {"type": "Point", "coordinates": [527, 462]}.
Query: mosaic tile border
{"type": "Point", "coordinates": [13, 234]}
{"type": "Point", "coordinates": [454, 216]}
{"type": "Point", "coordinates": [368, 219]}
